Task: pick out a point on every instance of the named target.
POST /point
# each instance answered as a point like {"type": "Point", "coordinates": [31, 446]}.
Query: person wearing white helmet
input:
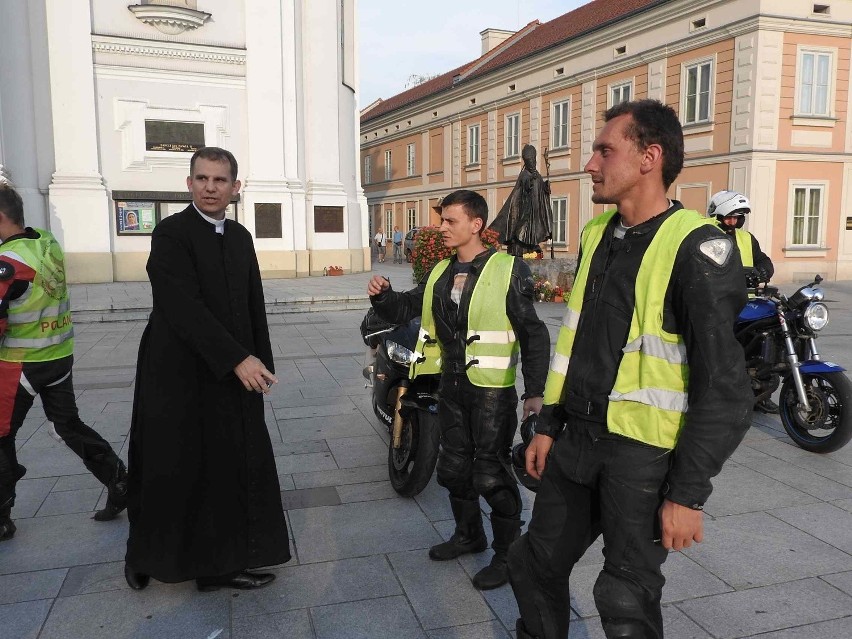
{"type": "Point", "coordinates": [730, 208]}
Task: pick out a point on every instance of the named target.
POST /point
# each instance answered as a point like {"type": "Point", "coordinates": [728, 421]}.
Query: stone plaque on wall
{"type": "Point", "coordinates": [267, 220]}
{"type": "Point", "coordinates": [166, 135]}
{"type": "Point", "coordinates": [328, 219]}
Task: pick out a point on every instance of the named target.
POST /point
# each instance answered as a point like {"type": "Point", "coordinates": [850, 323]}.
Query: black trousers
{"type": "Point", "coordinates": [477, 428]}
{"type": "Point", "coordinates": [20, 384]}
{"type": "Point", "coordinates": [594, 483]}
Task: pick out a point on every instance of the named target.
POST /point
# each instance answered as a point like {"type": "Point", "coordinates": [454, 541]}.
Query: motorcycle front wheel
{"type": "Point", "coordinates": [410, 466]}
{"type": "Point", "coordinates": [828, 425]}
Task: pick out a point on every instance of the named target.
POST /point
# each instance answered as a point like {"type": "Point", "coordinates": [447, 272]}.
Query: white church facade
{"type": "Point", "coordinates": [102, 104]}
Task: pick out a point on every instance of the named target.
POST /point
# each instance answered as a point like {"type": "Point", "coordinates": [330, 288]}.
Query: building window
{"type": "Point", "coordinates": [697, 86]}
{"type": "Point", "coordinates": [389, 223]}
{"type": "Point", "coordinates": [621, 92]}
{"type": "Point", "coordinates": [387, 165]}
{"type": "Point", "coordinates": [473, 144]}
{"type": "Point", "coordinates": [561, 113]}
{"type": "Point", "coordinates": [559, 206]}
{"type": "Point", "coordinates": [808, 205]}
{"type": "Point", "coordinates": [814, 86]}
{"type": "Point", "coordinates": [513, 135]}
{"type": "Point", "coordinates": [410, 150]}
{"type": "Point", "coordinates": [368, 169]}
{"type": "Point", "coordinates": [412, 219]}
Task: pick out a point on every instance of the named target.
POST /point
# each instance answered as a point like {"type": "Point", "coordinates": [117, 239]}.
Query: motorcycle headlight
{"type": "Point", "coordinates": [815, 316]}
{"type": "Point", "coordinates": [400, 354]}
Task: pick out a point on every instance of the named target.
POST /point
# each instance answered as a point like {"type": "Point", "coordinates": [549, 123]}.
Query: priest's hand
{"type": "Point", "coordinates": [254, 375]}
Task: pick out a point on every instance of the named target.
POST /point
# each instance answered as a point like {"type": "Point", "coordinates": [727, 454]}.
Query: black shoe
{"type": "Point", "coordinates": [456, 547]}
{"type": "Point", "coordinates": [136, 580]}
{"type": "Point", "coordinates": [766, 406]}
{"type": "Point", "coordinates": [240, 581]}
{"type": "Point", "coordinates": [493, 575]}
{"type": "Point", "coordinates": [116, 495]}
{"type": "Point", "coordinates": [7, 528]}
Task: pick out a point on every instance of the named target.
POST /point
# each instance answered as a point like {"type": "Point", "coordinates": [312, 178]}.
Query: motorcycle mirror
{"type": "Point", "coordinates": [817, 279]}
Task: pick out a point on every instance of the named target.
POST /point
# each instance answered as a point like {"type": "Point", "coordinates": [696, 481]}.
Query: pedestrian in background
{"type": "Point", "coordinates": [204, 501]}
{"type": "Point", "coordinates": [379, 240]}
{"type": "Point", "coordinates": [397, 245]}
{"type": "Point", "coordinates": [37, 358]}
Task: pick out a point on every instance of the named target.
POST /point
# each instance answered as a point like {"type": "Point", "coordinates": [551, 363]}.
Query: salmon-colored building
{"type": "Point", "coordinates": [761, 88]}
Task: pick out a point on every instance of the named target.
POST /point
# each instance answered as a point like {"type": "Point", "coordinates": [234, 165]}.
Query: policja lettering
{"type": "Point", "coordinates": [55, 324]}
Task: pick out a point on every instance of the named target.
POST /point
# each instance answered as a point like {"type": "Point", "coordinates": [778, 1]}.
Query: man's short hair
{"type": "Point", "coordinates": [472, 203]}
{"type": "Point", "coordinates": [11, 204]}
{"type": "Point", "coordinates": [654, 123]}
{"type": "Point", "coordinates": [215, 154]}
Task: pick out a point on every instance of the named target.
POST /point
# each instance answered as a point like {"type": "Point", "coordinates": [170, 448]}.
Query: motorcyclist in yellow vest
{"type": "Point", "coordinates": [477, 313]}
{"type": "Point", "coordinates": [730, 209]}
{"type": "Point", "coordinates": [36, 358]}
{"type": "Point", "coordinates": [646, 393]}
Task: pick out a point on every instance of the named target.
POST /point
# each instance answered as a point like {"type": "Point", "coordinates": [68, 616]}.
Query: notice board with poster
{"type": "Point", "coordinates": [135, 218]}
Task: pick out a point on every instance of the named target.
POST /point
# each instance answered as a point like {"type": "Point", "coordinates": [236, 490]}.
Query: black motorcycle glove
{"type": "Point", "coordinates": [550, 421]}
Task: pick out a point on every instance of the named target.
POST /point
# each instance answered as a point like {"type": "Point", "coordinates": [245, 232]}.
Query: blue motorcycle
{"type": "Point", "coordinates": [778, 335]}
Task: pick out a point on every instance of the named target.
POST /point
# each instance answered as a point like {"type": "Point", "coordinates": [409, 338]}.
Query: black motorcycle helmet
{"type": "Point", "coordinates": [519, 452]}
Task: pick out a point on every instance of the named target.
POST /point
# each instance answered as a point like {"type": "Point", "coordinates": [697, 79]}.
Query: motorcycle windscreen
{"type": "Point", "coordinates": [756, 309]}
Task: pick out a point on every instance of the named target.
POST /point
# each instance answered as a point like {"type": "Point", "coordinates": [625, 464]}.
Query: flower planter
{"type": "Point", "coordinates": [333, 270]}
{"type": "Point", "coordinates": [558, 299]}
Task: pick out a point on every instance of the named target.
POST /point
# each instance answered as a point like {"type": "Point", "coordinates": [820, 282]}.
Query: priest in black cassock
{"type": "Point", "coordinates": [203, 496]}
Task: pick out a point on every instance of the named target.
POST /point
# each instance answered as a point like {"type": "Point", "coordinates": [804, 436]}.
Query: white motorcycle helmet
{"type": "Point", "coordinates": [729, 203]}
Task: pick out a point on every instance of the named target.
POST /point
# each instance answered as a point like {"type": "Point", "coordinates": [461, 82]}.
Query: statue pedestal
{"type": "Point", "coordinates": [559, 271]}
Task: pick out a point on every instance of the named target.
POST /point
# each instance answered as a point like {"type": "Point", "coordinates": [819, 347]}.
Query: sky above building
{"type": "Point", "coordinates": [402, 40]}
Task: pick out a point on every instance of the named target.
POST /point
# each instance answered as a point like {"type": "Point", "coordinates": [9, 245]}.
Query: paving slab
{"type": "Point", "coordinates": [294, 623]}
{"type": "Point", "coordinates": [388, 618]}
{"type": "Point", "coordinates": [743, 490]}
{"type": "Point", "coordinates": [320, 584]}
{"type": "Point", "coordinates": [487, 630]}
{"type": "Point", "coordinates": [768, 551]}
{"type": "Point", "coordinates": [757, 610]}
{"type": "Point", "coordinates": [828, 523]}
{"type": "Point", "coordinates": [177, 611]}
{"type": "Point", "coordinates": [357, 530]}
{"type": "Point", "coordinates": [438, 591]}
{"type": "Point", "coordinates": [352, 452]}
{"type": "Point", "coordinates": [24, 620]}
{"type": "Point", "coordinates": [30, 586]}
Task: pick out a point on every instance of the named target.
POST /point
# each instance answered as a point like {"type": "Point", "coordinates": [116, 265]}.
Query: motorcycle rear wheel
{"type": "Point", "coordinates": [411, 465]}
{"type": "Point", "coordinates": [828, 425]}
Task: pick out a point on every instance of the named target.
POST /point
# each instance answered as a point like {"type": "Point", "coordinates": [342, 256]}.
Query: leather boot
{"type": "Point", "coordinates": [116, 494]}
{"type": "Point", "coordinates": [7, 526]}
{"type": "Point", "coordinates": [496, 573]}
{"type": "Point", "coordinates": [469, 536]}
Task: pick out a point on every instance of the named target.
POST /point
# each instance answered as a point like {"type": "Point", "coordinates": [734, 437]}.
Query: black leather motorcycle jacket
{"type": "Point", "coordinates": [703, 299]}
{"type": "Point", "coordinates": [451, 321]}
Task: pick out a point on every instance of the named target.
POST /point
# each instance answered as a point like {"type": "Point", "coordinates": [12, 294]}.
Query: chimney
{"type": "Point", "coordinates": [493, 37]}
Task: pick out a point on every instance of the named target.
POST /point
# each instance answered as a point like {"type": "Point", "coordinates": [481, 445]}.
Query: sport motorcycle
{"type": "Point", "coordinates": [408, 408]}
{"type": "Point", "coordinates": [778, 335]}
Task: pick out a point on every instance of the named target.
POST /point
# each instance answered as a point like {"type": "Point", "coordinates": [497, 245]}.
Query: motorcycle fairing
{"type": "Point", "coordinates": [814, 366]}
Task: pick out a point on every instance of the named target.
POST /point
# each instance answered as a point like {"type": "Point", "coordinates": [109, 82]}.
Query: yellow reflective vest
{"type": "Point", "coordinates": [744, 245]}
{"type": "Point", "coordinates": [491, 353]}
{"type": "Point", "coordinates": [648, 401]}
{"type": "Point", "coordinates": [39, 325]}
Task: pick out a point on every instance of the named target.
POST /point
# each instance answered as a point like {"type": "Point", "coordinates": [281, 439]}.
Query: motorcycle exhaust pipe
{"type": "Point", "coordinates": [396, 433]}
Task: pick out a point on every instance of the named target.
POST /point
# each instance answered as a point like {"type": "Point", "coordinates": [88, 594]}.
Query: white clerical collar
{"type": "Point", "coordinates": [219, 224]}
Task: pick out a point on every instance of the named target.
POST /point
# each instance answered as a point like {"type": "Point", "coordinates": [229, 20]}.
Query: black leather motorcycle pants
{"type": "Point", "coordinates": [594, 483]}
{"type": "Point", "coordinates": [477, 428]}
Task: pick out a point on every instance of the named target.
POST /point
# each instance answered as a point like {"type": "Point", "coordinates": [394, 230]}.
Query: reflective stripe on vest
{"type": "Point", "coordinates": [491, 354]}
{"type": "Point", "coordinates": [39, 324]}
{"type": "Point", "coordinates": [589, 239]}
{"type": "Point", "coordinates": [649, 398]}
{"type": "Point", "coordinates": [744, 244]}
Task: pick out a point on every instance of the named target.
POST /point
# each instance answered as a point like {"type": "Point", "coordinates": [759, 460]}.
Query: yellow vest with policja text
{"type": "Point", "coordinates": [39, 325]}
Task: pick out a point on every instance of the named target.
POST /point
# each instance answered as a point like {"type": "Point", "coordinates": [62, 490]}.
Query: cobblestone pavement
{"type": "Point", "coordinates": [776, 561]}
